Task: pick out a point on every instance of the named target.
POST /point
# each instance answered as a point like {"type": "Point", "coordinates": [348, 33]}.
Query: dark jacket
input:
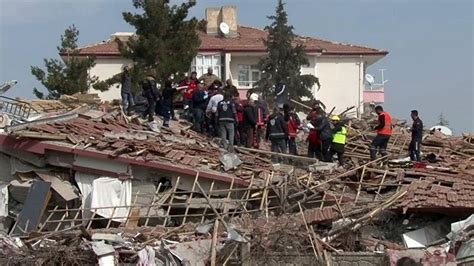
{"type": "Point", "coordinates": [226, 111]}
{"type": "Point", "coordinates": [323, 127]}
{"type": "Point", "coordinates": [199, 100]}
{"type": "Point", "coordinates": [232, 90]}
{"type": "Point", "coordinates": [149, 89]}
{"type": "Point", "coordinates": [250, 116]}
{"type": "Point", "coordinates": [168, 96]}
{"type": "Point", "coordinates": [126, 82]}
{"type": "Point", "coordinates": [417, 130]}
{"type": "Point", "coordinates": [277, 128]}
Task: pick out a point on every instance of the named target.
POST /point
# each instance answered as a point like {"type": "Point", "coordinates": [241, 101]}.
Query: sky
{"type": "Point", "coordinates": [431, 42]}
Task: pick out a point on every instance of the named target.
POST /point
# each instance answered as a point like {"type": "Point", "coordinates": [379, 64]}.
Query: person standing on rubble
{"type": "Point", "coordinates": [323, 128]}
{"type": "Point", "coordinates": [199, 106]}
{"type": "Point", "coordinates": [211, 109]}
{"type": "Point", "coordinates": [239, 108]}
{"type": "Point", "coordinates": [416, 136]}
{"type": "Point", "coordinates": [294, 123]}
{"type": "Point", "coordinates": [262, 116]}
{"type": "Point", "coordinates": [384, 131]}
{"type": "Point", "coordinates": [209, 77]}
{"type": "Point", "coordinates": [126, 90]}
{"type": "Point", "coordinates": [230, 88]}
{"type": "Point", "coordinates": [191, 83]}
{"type": "Point", "coordinates": [338, 139]}
{"type": "Point", "coordinates": [249, 123]}
{"type": "Point", "coordinates": [167, 103]}
{"type": "Point", "coordinates": [151, 93]}
{"type": "Point", "coordinates": [226, 117]}
{"type": "Point", "coordinates": [277, 133]}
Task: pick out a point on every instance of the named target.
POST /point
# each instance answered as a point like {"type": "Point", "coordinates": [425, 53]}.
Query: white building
{"type": "Point", "coordinates": [340, 67]}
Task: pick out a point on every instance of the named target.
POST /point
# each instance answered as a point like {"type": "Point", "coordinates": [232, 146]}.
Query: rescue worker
{"type": "Point", "coordinates": [239, 108]}
{"type": "Point", "coordinates": [323, 128]}
{"type": "Point", "coordinates": [230, 88]}
{"type": "Point", "coordinates": [249, 121]}
{"type": "Point", "coordinates": [209, 77]}
{"type": "Point", "coordinates": [314, 143]}
{"type": "Point", "coordinates": [294, 123]}
{"type": "Point", "coordinates": [126, 90]}
{"type": "Point", "coordinates": [211, 111]}
{"type": "Point", "coordinates": [384, 131]}
{"type": "Point", "coordinates": [262, 115]}
{"type": "Point", "coordinates": [150, 91]}
{"type": "Point", "coordinates": [226, 117]}
{"type": "Point", "coordinates": [338, 139]}
{"type": "Point", "coordinates": [277, 133]}
{"type": "Point", "coordinates": [199, 106]}
{"type": "Point", "coordinates": [416, 136]}
{"type": "Point", "coordinates": [167, 102]}
{"type": "Point", "coordinates": [191, 84]}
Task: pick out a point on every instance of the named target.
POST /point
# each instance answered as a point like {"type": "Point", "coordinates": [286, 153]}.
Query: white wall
{"type": "Point", "coordinates": [341, 80]}
{"type": "Point", "coordinates": [237, 60]}
{"type": "Point", "coordinates": [310, 69]}
{"type": "Point", "coordinates": [106, 68]}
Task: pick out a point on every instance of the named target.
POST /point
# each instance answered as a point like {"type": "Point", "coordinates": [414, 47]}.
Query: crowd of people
{"type": "Point", "coordinates": [216, 109]}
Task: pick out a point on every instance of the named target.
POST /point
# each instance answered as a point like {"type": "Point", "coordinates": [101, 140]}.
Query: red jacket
{"type": "Point", "coordinates": [239, 107]}
{"type": "Point", "coordinates": [293, 125]}
{"type": "Point", "coordinates": [188, 93]}
{"type": "Point", "coordinates": [313, 138]}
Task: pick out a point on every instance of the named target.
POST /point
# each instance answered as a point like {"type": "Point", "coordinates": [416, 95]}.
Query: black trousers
{"type": "Point", "coordinates": [379, 144]}
{"type": "Point", "coordinates": [325, 146]}
{"type": "Point", "coordinates": [337, 148]}
{"type": "Point", "coordinates": [151, 108]}
{"type": "Point", "coordinates": [279, 146]}
{"type": "Point", "coordinates": [314, 151]}
{"type": "Point", "coordinates": [414, 150]}
{"type": "Point", "coordinates": [292, 147]}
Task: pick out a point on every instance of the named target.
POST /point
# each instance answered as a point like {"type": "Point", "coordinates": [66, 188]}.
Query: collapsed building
{"type": "Point", "coordinates": [85, 184]}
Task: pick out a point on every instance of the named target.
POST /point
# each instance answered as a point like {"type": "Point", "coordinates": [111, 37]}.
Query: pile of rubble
{"type": "Point", "coordinates": [81, 186]}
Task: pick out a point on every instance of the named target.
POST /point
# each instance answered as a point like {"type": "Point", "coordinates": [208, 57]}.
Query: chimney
{"type": "Point", "coordinates": [215, 16]}
{"type": "Point", "coordinates": [122, 36]}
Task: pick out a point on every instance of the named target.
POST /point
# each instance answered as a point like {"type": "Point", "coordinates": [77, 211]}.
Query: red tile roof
{"type": "Point", "coordinates": [248, 40]}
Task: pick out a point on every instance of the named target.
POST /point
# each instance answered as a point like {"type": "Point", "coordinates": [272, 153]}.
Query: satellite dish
{"type": "Point", "coordinates": [224, 28]}
{"type": "Point", "coordinates": [370, 79]}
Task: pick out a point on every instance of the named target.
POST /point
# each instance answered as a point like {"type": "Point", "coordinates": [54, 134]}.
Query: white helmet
{"type": "Point", "coordinates": [254, 97]}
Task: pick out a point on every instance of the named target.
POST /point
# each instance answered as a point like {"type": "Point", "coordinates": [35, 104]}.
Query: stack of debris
{"type": "Point", "coordinates": [117, 189]}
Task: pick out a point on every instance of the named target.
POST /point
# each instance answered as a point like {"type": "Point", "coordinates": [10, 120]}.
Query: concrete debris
{"type": "Point", "coordinates": [90, 185]}
{"type": "Point", "coordinates": [230, 161]}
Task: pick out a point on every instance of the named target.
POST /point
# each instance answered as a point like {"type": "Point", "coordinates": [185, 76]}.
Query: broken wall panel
{"type": "Point", "coordinates": [35, 204]}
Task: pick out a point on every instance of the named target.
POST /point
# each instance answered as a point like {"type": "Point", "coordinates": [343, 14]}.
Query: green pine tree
{"type": "Point", "coordinates": [65, 77]}
{"type": "Point", "coordinates": [165, 43]}
{"type": "Point", "coordinates": [284, 60]}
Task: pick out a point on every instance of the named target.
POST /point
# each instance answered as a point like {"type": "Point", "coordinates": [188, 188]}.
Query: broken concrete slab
{"type": "Point", "coordinates": [107, 237]}
{"type": "Point", "coordinates": [63, 188]}
{"type": "Point", "coordinates": [230, 161]}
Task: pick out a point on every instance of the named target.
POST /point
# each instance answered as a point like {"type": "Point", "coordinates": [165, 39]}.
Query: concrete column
{"type": "Point", "coordinates": [227, 73]}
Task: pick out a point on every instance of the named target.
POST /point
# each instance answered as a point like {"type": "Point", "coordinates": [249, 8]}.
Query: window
{"type": "Point", "coordinates": [248, 75]}
{"type": "Point", "coordinates": [201, 63]}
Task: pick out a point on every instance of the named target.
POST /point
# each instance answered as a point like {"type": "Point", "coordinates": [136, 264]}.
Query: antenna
{"type": "Point", "coordinates": [224, 28]}
{"type": "Point", "coordinates": [383, 80]}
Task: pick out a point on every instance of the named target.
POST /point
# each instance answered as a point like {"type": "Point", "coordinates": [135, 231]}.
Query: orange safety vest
{"type": "Point", "coordinates": [387, 129]}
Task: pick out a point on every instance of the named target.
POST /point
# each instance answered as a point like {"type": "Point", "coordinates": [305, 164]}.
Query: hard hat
{"type": "Point", "coordinates": [254, 97]}
{"type": "Point", "coordinates": [335, 118]}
